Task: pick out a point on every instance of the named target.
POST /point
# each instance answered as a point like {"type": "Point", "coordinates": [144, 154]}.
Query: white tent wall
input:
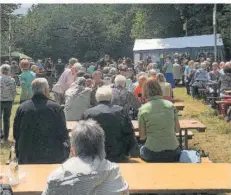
{"type": "Point", "coordinates": [191, 46]}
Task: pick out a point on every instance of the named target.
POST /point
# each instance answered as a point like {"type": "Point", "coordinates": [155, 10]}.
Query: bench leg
{"type": "Point", "coordinates": [180, 139]}
{"type": "Point", "coordinates": [186, 139]}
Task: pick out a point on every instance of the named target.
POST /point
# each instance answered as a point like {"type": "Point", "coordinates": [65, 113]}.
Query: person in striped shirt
{"type": "Point", "coordinates": [87, 171]}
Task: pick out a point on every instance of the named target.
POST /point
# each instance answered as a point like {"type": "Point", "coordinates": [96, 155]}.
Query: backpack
{"type": "Point", "coordinates": [190, 156]}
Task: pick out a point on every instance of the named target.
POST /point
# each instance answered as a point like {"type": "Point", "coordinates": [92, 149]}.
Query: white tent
{"type": "Point", "coordinates": [176, 44]}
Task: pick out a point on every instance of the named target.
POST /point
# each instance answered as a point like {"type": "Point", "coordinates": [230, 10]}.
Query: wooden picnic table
{"type": "Point", "coordinates": [145, 178]}
{"type": "Point", "coordinates": [179, 106]}
{"type": "Point", "coordinates": [185, 125]}
{"type": "Point", "coordinates": [228, 92]}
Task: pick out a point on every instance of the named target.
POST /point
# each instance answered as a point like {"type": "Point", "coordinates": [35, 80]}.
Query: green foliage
{"type": "Point", "coordinates": [88, 31]}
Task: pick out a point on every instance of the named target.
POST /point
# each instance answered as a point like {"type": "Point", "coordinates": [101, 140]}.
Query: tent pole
{"type": "Point", "coordinates": [215, 31]}
{"type": "Point", "coordinates": [9, 38]}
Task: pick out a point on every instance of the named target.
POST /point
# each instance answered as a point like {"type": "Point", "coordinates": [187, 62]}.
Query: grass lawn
{"type": "Point", "coordinates": [216, 140]}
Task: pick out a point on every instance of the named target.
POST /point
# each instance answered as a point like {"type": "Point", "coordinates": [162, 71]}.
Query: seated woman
{"type": "Point", "coordinates": [138, 90]}
{"type": "Point", "coordinates": [165, 87]}
{"type": "Point", "coordinates": [200, 80]}
{"type": "Point", "coordinates": [158, 124]}
{"type": "Point", "coordinates": [77, 100]}
{"type": "Point", "coordinates": [225, 81]}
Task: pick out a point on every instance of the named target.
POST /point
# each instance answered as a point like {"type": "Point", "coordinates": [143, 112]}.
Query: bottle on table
{"type": "Point", "coordinates": [13, 171]}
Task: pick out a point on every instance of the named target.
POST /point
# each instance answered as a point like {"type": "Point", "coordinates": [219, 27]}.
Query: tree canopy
{"type": "Point", "coordinates": [87, 31]}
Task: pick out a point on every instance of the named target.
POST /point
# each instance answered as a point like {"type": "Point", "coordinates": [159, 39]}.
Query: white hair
{"type": "Point", "coordinates": [203, 65]}
{"type": "Point", "coordinates": [103, 93]}
{"type": "Point", "coordinates": [39, 86]}
{"type": "Point", "coordinates": [5, 69]}
{"type": "Point", "coordinates": [77, 66]}
{"type": "Point", "coordinates": [120, 81]}
{"type": "Point", "coordinates": [140, 74]}
{"type": "Point", "coordinates": [88, 140]}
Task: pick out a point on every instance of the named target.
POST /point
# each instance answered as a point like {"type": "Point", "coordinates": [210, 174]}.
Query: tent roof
{"type": "Point", "coordinates": [20, 55]}
{"type": "Point", "coordinates": [177, 42]}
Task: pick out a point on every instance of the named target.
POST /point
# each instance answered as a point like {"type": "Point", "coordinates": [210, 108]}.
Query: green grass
{"type": "Point", "coordinates": [216, 140]}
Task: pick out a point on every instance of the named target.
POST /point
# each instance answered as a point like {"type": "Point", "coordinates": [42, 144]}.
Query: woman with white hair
{"type": "Point", "coordinates": [77, 100]}
{"type": "Point", "coordinates": [120, 138]}
{"type": "Point", "coordinates": [122, 97]}
{"type": "Point", "coordinates": [88, 170]}
{"type": "Point", "coordinates": [7, 95]}
{"type": "Point", "coordinates": [64, 82]}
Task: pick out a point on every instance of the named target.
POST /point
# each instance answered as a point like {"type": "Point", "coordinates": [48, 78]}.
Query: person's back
{"type": "Point", "coordinates": [110, 118]}
{"type": "Point", "coordinates": [225, 82]}
{"type": "Point", "coordinates": [166, 89]}
{"type": "Point", "coordinates": [26, 79]}
{"type": "Point", "coordinates": [177, 71]}
{"type": "Point", "coordinates": [86, 177]}
{"type": "Point", "coordinates": [159, 114]}
{"type": "Point", "coordinates": [87, 172]}
{"type": "Point", "coordinates": [77, 104]}
{"type": "Point", "coordinates": [40, 129]}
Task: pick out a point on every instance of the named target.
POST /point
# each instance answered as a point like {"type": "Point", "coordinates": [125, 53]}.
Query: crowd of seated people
{"type": "Point", "coordinates": [101, 98]}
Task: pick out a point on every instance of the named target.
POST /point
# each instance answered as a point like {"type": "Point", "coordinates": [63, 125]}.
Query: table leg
{"type": "Point", "coordinates": [186, 139]}
{"type": "Point", "coordinates": [180, 138]}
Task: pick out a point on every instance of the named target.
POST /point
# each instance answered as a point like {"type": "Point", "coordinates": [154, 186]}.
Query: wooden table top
{"type": "Point", "coordinates": [223, 102]}
{"type": "Point", "coordinates": [170, 178]}
{"type": "Point", "coordinates": [184, 124]}
{"type": "Point", "coordinates": [179, 105]}
{"type": "Point", "coordinates": [228, 92]}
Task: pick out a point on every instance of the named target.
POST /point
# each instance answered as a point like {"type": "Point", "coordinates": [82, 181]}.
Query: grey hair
{"type": "Point", "coordinates": [120, 81]}
{"type": "Point", "coordinates": [39, 86]}
{"type": "Point", "coordinates": [77, 66]}
{"type": "Point", "coordinates": [81, 81]}
{"type": "Point", "coordinates": [203, 65]}
{"type": "Point", "coordinates": [152, 72]}
{"type": "Point", "coordinates": [72, 61]}
{"type": "Point", "coordinates": [113, 71]}
{"type": "Point", "coordinates": [140, 74]}
{"type": "Point", "coordinates": [160, 77]}
{"type": "Point", "coordinates": [5, 69]}
{"type": "Point", "coordinates": [88, 140]}
{"type": "Point", "coordinates": [103, 93]}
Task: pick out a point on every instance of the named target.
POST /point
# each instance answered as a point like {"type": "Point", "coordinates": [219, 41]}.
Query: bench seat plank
{"type": "Point", "coordinates": [146, 177]}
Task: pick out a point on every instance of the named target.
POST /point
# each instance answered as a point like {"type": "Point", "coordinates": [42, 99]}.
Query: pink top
{"type": "Point", "coordinates": [64, 82]}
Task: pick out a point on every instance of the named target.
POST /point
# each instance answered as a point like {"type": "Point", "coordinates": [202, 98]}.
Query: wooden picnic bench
{"type": "Point", "coordinates": [179, 106]}
{"type": "Point", "coordinates": [185, 126]}
{"type": "Point", "coordinates": [223, 106]}
{"type": "Point", "coordinates": [228, 92]}
{"type": "Point", "coordinates": [145, 178]}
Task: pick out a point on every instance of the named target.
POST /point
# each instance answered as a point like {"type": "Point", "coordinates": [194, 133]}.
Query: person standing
{"type": "Point", "coordinates": [64, 82]}
{"type": "Point", "coordinates": [59, 68]}
{"type": "Point", "coordinates": [7, 95]}
{"type": "Point", "coordinates": [40, 132]}
{"type": "Point", "coordinates": [168, 70]}
{"type": "Point", "coordinates": [25, 80]}
{"type": "Point", "coordinates": [177, 71]}
{"type": "Point", "coordinates": [49, 68]}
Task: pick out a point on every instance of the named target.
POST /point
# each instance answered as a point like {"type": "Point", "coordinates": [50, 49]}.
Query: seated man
{"type": "Point", "coordinates": [120, 138]}
{"type": "Point", "coordinates": [87, 171]}
{"type": "Point", "coordinates": [40, 131]}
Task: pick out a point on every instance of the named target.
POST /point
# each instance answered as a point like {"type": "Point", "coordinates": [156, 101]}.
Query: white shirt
{"type": "Point", "coordinates": [64, 82]}
{"type": "Point", "coordinates": [86, 177]}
